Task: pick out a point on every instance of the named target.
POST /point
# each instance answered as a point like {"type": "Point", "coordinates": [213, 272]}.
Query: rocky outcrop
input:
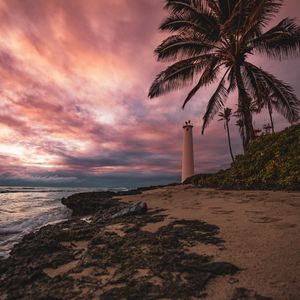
{"type": "Point", "coordinates": [88, 203]}
{"type": "Point", "coordinates": [111, 256]}
{"type": "Point", "coordinates": [134, 209]}
{"type": "Point", "coordinates": [83, 204]}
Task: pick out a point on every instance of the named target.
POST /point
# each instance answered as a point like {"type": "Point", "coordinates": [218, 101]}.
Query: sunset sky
{"type": "Point", "coordinates": [74, 78]}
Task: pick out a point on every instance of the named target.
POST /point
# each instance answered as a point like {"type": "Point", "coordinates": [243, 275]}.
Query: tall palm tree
{"type": "Point", "coordinates": [212, 38]}
{"type": "Point", "coordinates": [270, 109]}
{"type": "Point", "coordinates": [241, 126]}
{"type": "Point", "coordinates": [240, 122]}
{"type": "Point", "coordinates": [269, 102]}
{"type": "Point", "coordinates": [225, 116]}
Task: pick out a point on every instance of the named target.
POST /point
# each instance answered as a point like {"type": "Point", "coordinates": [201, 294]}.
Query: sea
{"type": "Point", "coordinates": [26, 209]}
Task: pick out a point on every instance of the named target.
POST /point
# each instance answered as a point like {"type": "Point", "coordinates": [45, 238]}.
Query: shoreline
{"type": "Point", "coordinates": [191, 242]}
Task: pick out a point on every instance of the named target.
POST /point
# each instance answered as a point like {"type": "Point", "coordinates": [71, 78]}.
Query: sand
{"type": "Point", "coordinates": [260, 229]}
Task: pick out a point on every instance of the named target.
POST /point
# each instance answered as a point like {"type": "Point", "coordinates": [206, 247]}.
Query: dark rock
{"type": "Point", "coordinates": [136, 265]}
{"type": "Point", "coordinates": [87, 203]}
{"type": "Point", "coordinates": [134, 209]}
{"type": "Point", "coordinates": [221, 268]}
{"type": "Point", "coordinates": [244, 294]}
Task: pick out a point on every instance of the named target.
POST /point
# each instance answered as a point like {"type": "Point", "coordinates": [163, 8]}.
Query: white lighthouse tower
{"type": "Point", "coordinates": [188, 152]}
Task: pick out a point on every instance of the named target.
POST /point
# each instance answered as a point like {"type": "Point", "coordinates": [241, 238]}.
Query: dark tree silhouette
{"type": "Point", "coordinates": [213, 39]}
{"type": "Point", "coordinates": [241, 126]}
{"type": "Point", "coordinates": [269, 103]}
{"type": "Point", "coordinates": [225, 117]}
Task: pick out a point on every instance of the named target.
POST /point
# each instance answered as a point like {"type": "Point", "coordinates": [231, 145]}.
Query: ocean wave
{"type": "Point", "coordinates": [13, 232]}
{"type": "Point", "coordinates": [6, 190]}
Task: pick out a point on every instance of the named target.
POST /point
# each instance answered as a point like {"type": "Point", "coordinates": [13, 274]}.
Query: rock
{"type": "Point", "coordinates": [221, 268]}
{"type": "Point", "coordinates": [93, 263]}
{"type": "Point", "coordinates": [245, 294]}
{"type": "Point", "coordinates": [88, 203]}
{"type": "Point", "coordinates": [83, 204]}
{"type": "Point", "coordinates": [134, 209]}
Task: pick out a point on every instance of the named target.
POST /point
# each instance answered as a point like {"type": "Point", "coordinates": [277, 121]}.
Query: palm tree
{"type": "Point", "coordinates": [270, 109]}
{"type": "Point", "coordinates": [225, 116]}
{"type": "Point", "coordinates": [240, 122]}
{"type": "Point", "coordinates": [241, 126]}
{"type": "Point", "coordinates": [269, 102]}
{"type": "Point", "coordinates": [212, 38]}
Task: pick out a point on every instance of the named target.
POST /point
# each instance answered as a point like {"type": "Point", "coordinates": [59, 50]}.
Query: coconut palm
{"type": "Point", "coordinates": [269, 102]}
{"type": "Point", "coordinates": [240, 122]}
{"type": "Point", "coordinates": [270, 109]}
{"type": "Point", "coordinates": [241, 126]}
{"type": "Point", "coordinates": [213, 39]}
{"type": "Point", "coordinates": [225, 117]}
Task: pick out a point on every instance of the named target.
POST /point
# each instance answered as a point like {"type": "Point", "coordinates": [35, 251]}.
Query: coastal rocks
{"type": "Point", "coordinates": [245, 294]}
{"type": "Point", "coordinates": [134, 209]}
{"type": "Point", "coordinates": [87, 203]}
{"type": "Point", "coordinates": [112, 257]}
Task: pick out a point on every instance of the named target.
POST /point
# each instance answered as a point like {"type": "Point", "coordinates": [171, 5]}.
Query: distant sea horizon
{"type": "Point", "coordinates": [24, 209]}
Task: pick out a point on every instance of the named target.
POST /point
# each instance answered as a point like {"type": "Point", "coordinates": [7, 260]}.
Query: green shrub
{"type": "Point", "coordinates": [270, 162]}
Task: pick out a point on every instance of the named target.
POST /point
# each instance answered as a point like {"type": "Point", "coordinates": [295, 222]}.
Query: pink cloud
{"type": "Point", "coordinates": [74, 82]}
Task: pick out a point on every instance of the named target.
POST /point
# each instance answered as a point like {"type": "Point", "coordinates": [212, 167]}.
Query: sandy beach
{"type": "Point", "coordinates": [251, 250]}
{"type": "Point", "coordinates": [260, 229]}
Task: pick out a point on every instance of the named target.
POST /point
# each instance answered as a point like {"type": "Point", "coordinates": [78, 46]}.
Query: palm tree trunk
{"type": "Point", "coordinates": [243, 137]}
{"type": "Point", "coordinates": [271, 118]}
{"type": "Point", "coordinates": [229, 141]}
{"type": "Point", "coordinates": [244, 103]}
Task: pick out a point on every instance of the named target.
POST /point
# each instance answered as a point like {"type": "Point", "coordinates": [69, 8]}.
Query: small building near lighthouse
{"type": "Point", "coordinates": [187, 152]}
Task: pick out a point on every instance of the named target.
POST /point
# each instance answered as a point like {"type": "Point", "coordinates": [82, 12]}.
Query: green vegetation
{"type": "Point", "coordinates": [270, 162]}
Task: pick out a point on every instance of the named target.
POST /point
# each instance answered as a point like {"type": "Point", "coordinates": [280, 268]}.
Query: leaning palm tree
{"type": "Point", "coordinates": [214, 38]}
{"type": "Point", "coordinates": [225, 117]}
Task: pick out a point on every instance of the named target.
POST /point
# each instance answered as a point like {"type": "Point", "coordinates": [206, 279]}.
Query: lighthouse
{"type": "Point", "coordinates": [188, 152]}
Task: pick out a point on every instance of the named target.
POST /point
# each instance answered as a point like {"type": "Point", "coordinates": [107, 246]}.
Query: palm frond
{"type": "Point", "coordinates": [201, 23]}
{"type": "Point", "coordinates": [225, 114]}
{"type": "Point", "coordinates": [180, 6]}
{"type": "Point", "coordinates": [232, 80]}
{"type": "Point", "coordinates": [208, 76]}
{"type": "Point", "coordinates": [283, 94]}
{"type": "Point", "coordinates": [181, 46]}
{"type": "Point", "coordinates": [260, 12]}
{"type": "Point", "coordinates": [178, 75]}
{"type": "Point", "coordinates": [237, 15]}
{"type": "Point", "coordinates": [226, 8]}
{"type": "Point", "coordinates": [213, 6]}
{"type": "Point", "coordinates": [179, 22]}
{"type": "Point", "coordinates": [256, 86]}
{"type": "Point", "coordinates": [281, 41]}
{"type": "Point", "coordinates": [215, 103]}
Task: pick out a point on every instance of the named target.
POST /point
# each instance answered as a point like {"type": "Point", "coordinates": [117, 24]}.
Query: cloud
{"type": "Point", "coordinates": [74, 108]}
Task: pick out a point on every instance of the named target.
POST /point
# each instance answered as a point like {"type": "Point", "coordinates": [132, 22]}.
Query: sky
{"type": "Point", "coordinates": [74, 79]}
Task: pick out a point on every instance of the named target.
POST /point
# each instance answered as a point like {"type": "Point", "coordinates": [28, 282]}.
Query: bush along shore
{"type": "Point", "coordinates": [103, 252]}
{"type": "Point", "coordinates": [270, 162]}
